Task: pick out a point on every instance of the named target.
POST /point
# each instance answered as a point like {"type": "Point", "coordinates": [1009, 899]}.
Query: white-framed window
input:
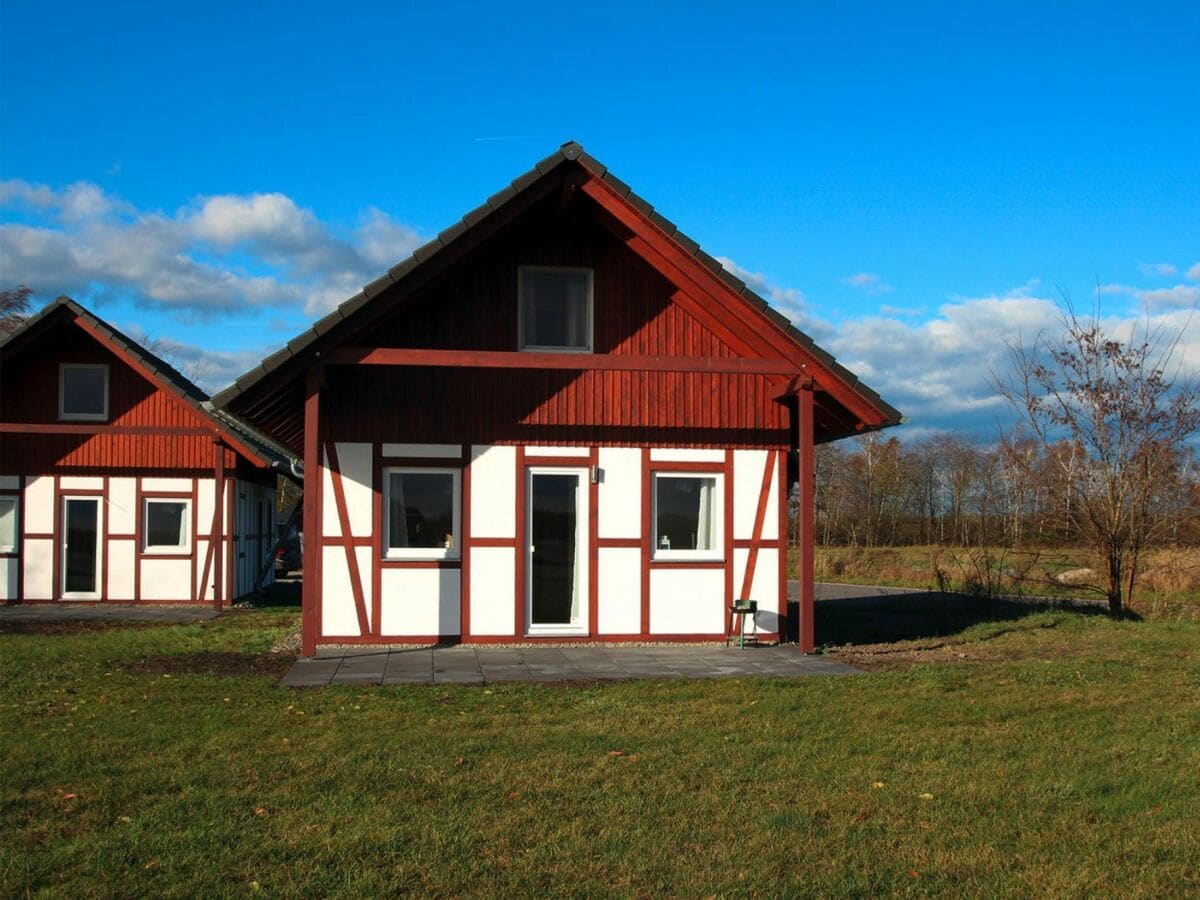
{"type": "Point", "coordinates": [166, 525]}
{"type": "Point", "coordinates": [688, 513]}
{"type": "Point", "coordinates": [83, 392]}
{"type": "Point", "coordinates": [421, 509]}
{"type": "Point", "coordinates": [555, 309]}
{"type": "Point", "coordinates": [8, 524]}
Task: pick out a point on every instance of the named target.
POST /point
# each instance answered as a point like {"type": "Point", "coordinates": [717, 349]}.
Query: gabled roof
{"type": "Point", "coordinates": [569, 153]}
{"type": "Point", "coordinates": [252, 444]}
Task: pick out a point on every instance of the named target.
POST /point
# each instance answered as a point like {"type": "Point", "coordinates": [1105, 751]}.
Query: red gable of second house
{"type": "Point", "coordinates": [117, 479]}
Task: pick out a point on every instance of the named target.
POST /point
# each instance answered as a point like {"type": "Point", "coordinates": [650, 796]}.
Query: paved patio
{"type": "Point", "coordinates": [51, 612]}
{"type": "Point", "coordinates": [485, 665]}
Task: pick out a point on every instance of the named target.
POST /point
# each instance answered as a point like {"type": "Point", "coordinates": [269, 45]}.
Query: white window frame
{"type": "Point", "coordinates": [167, 549]}
{"type": "Point", "coordinates": [541, 348]}
{"type": "Point", "coordinates": [65, 416]}
{"type": "Point", "coordinates": [717, 554]}
{"type": "Point", "coordinates": [15, 499]}
{"type": "Point", "coordinates": [423, 553]}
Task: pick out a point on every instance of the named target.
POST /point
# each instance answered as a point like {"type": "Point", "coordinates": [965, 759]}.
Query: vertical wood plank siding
{"type": "Point", "coordinates": [475, 307]}
{"type": "Point", "coordinates": [31, 395]}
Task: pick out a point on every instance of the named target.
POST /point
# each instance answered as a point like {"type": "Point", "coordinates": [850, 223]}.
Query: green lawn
{"type": "Point", "coordinates": [1055, 754]}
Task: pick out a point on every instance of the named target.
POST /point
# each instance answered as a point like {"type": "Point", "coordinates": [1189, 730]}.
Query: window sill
{"type": "Point", "coordinates": [83, 417]}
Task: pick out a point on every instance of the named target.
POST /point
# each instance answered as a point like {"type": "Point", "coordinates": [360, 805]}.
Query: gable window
{"type": "Point", "coordinates": [165, 526]}
{"type": "Point", "coordinates": [421, 513]}
{"type": "Point", "coordinates": [555, 309]}
{"type": "Point", "coordinates": [688, 521]}
{"type": "Point", "coordinates": [83, 392]}
{"type": "Point", "coordinates": [8, 524]}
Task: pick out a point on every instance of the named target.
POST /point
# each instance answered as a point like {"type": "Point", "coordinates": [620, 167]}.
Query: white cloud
{"type": "Point", "coordinates": [216, 254]}
{"type": "Point", "coordinates": [1194, 272]}
{"type": "Point", "coordinates": [1158, 270]}
{"type": "Point", "coordinates": [1181, 296]}
{"type": "Point", "coordinates": [868, 282]}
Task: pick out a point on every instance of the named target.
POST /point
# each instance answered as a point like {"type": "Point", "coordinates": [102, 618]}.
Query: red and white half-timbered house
{"type": "Point", "coordinates": [118, 481]}
{"type": "Point", "coordinates": [559, 420]}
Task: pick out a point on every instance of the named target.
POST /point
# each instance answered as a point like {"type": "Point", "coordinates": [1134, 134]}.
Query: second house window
{"type": "Point", "coordinates": [421, 513]}
{"type": "Point", "coordinates": [555, 309]}
{"type": "Point", "coordinates": [165, 526]}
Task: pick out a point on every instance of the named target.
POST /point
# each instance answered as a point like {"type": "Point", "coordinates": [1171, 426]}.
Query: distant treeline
{"type": "Point", "coordinates": [875, 490]}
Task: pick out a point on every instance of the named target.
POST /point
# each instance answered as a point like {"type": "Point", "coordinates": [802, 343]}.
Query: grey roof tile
{"type": "Point", "coordinates": [622, 189]}
{"type": "Point", "coordinates": [427, 250]}
{"type": "Point", "coordinates": [663, 222]}
{"type": "Point", "coordinates": [501, 197]}
{"type": "Point", "coordinates": [377, 287]}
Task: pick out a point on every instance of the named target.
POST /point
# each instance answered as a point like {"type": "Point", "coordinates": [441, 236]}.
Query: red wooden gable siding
{"type": "Point", "coordinates": [30, 395]}
{"type": "Point", "coordinates": [475, 308]}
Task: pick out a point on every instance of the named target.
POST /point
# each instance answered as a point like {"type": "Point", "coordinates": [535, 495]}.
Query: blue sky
{"type": "Point", "coordinates": [910, 182]}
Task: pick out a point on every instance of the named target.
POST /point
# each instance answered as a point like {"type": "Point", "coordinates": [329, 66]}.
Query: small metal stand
{"type": "Point", "coordinates": [737, 614]}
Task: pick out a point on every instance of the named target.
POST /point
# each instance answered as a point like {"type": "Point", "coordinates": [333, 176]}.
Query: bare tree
{"type": "Point", "coordinates": [15, 306]}
{"type": "Point", "coordinates": [1129, 407]}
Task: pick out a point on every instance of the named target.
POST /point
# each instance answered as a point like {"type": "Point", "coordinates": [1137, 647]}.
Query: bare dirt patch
{"type": "Point", "coordinates": [211, 663]}
{"type": "Point", "coordinates": [881, 657]}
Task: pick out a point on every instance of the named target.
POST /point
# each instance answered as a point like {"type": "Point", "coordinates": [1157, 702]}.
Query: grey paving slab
{"type": "Point", "coordinates": [481, 665]}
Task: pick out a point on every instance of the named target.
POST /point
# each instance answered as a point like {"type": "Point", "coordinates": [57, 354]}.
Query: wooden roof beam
{"type": "Point", "coordinates": [499, 359]}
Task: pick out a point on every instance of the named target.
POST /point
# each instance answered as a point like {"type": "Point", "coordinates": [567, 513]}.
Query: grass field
{"type": "Point", "coordinates": [1056, 754]}
{"type": "Point", "coordinates": [1168, 588]}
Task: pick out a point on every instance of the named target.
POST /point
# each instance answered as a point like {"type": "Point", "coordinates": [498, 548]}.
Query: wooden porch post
{"type": "Point", "coordinates": [805, 516]}
{"type": "Point", "coordinates": [311, 545]}
{"type": "Point", "coordinates": [217, 538]}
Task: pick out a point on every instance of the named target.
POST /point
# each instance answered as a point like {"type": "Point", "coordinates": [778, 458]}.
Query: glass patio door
{"type": "Point", "coordinates": [556, 551]}
{"type": "Point", "coordinates": [81, 548]}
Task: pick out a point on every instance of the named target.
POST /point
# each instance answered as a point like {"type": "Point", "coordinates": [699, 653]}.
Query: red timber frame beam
{"type": "Point", "coordinates": [216, 539]}
{"type": "Point", "coordinates": [311, 561]}
{"type": "Point", "coordinates": [59, 428]}
{"type": "Point", "coordinates": [805, 517]}
{"type": "Point", "coordinates": [499, 359]}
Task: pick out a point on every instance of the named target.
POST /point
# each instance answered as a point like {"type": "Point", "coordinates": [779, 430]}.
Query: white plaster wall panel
{"type": "Point", "coordinates": [205, 590]}
{"type": "Point", "coordinates": [166, 579]}
{"type": "Point", "coordinates": [771, 522]}
{"type": "Point", "coordinates": [122, 505]}
{"type": "Point", "coordinates": [354, 462]}
{"type": "Point", "coordinates": [330, 525]}
{"type": "Point", "coordinates": [493, 493]}
{"type": "Point", "coordinates": [81, 483]}
{"type": "Point", "coordinates": [740, 555]}
{"type": "Point", "coordinates": [421, 602]}
{"type": "Point", "coordinates": [8, 577]}
{"type": "Point", "coordinates": [39, 570]}
{"type": "Point", "coordinates": [205, 495]}
{"type": "Point", "coordinates": [556, 451]}
{"type": "Point", "coordinates": [338, 616]}
{"type": "Point", "coordinates": [10, 482]}
{"type": "Point", "coordinates": [669, 454]}
{"type": "Point", "coordinates": [687, 601]}
{"type": "Point", "coordinates": [493, 580]}
{"type": "Point", "coordinates": [619, 590]}
{"type": "Point", "coordinates": [747, 484]}
{"type": "Point", "coordinates": [765, 590]}
{"type": "Point", "coordinates": [620, 492]}
{"type": "Point", "coordinates": [424, 451]}
{"type": "Point", "coordinates": [178, 485]}
{"type": "Point", "coordinates": [39, 505]}
{"type": "Point", "coordinates": [122, 557]}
